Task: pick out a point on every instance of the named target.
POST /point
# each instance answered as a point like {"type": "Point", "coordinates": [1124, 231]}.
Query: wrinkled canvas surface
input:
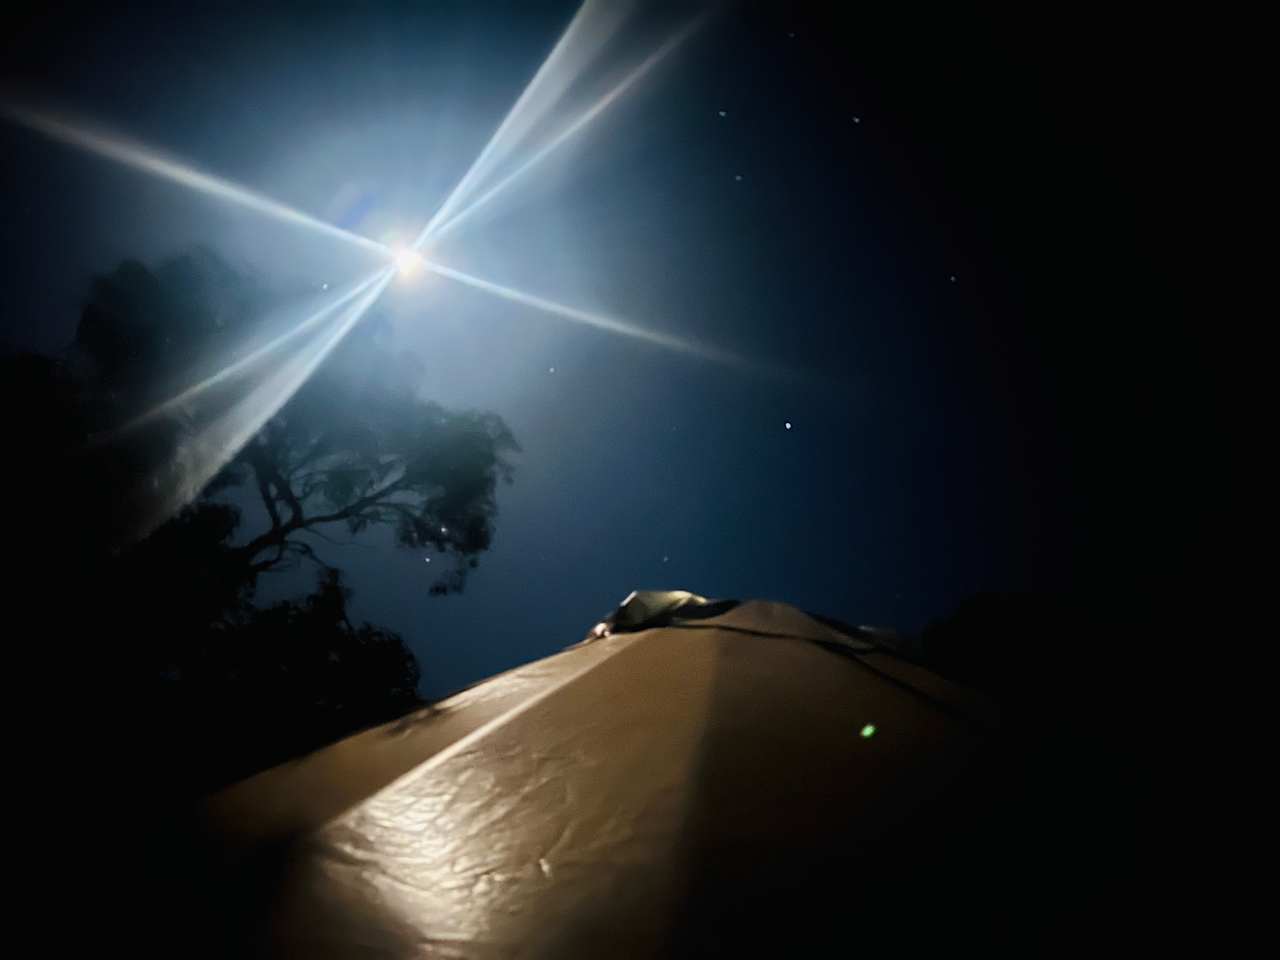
{"type": "Point", "coordinates": [703, 787]}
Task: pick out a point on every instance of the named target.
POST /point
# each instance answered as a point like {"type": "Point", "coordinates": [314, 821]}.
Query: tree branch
{"type": "Point", "coordinates": [278, 535]}
{"type": "Point", "coordinates": [254, 457]}
{"type": "Point", "coordinates": [274, 562]}
{"type": "Point", "coordinates": [285, 491]}
{"type": "Point", "coordinates": [356, 507]}
{"type": "Point", "coordinates": [306, 550]}
{"type": "Point", "coordinates": [337, 543]}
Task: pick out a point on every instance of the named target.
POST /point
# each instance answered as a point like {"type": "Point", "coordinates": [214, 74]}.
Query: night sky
{"type": "Point", "coordinates": [922, 231]}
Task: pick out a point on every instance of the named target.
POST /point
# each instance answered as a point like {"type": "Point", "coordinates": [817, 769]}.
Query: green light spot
{"type": "Point", "coordinates": [868, 731]}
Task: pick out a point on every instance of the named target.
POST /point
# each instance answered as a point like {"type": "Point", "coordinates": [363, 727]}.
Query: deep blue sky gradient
{"type": "Point", "coordinates": [955, 276]}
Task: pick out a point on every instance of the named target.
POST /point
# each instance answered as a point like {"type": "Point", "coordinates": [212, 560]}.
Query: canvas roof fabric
{"type": "Point", "coordinates": [696, 778]}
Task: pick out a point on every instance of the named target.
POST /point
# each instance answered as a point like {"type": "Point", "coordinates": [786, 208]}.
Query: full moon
{"type": "Point", "coordinates": [407, 261]}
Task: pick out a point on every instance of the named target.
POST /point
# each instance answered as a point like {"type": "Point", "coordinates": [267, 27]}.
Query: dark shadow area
{"type": "Point", "coordinates": [1023, 838]}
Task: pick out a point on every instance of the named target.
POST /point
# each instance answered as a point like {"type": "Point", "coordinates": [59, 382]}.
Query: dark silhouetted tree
{"type": "Point", "coordinates": [233, 685]}
{"type": "Point", "coordinates": [356, 446]}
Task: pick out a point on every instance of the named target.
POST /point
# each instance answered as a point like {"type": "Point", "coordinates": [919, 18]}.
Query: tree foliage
{"type": "Point", "coordinates": [357, 447]}
{"type": "Point", "coordinates": [356, 450]}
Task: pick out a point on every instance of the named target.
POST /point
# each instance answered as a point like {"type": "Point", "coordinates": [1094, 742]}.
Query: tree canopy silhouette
{"type": "Point", "coordinates": [357, 446]}
{"type": "Point", "coordinates": [356, 449]}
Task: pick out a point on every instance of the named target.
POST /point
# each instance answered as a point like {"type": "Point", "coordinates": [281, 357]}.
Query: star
{"type": "Point", "coordinates": [665, 558]}
{"type": "Point", "coordinates": [724, 113]}
{"type": "Point", "coordinates": [551, 369]}
{"type": "Point", "coordinates": [737, 176]}
{"type": "Point", "coordinates": [427, 559]}
{"type": "Point", "coordinates": [791, 34]}
{"type": "Point", "coordinates": [787, 424]}
{"type": "Point", "coordinates": [857, 119]}
{"type": "Point", "coordinates": [953, 278]}
{"type": "Point", "coordinates": [324, 286]}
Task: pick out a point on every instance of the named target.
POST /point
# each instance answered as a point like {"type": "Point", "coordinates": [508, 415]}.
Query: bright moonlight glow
{"type": "Point", "coordinates": [407, 261]}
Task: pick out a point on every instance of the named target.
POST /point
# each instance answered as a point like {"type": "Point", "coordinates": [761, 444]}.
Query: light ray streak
{"type": "Point", "coordinates": [142, 158]}
{"type": "Point", "coordinates": [147, 160]}
{"type": "Point", "coordinates": [179, 400]}
{"type": "Point", "coordinates": [201, 456]}
{"type": "Point", "coordinates": [591, 27]}
{"type": "Point", "coordinates": [597, 320]}
{"type": "Point", "coordinates": [213, 444]}
{"type": "Point", "coordinates": [568, 132]}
